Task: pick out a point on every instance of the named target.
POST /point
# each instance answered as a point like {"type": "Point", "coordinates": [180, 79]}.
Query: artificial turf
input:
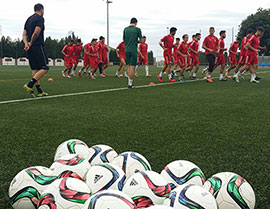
{"type": "Point", "coordinates": [221, 126]}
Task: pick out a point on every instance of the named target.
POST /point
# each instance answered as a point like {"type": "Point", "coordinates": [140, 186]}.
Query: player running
{"type": "Point", "coordinates": [175, 55]}
{"type": "Point", "coordinates": [242, 58]}
{"type": "Point", "coordinates": [232, 57]}
{"type": "Point", "coordinates": [182, 51]}
{"type": "Point", "coordinates": [253, 48]}
{"type": "Point", "coordinates": [33, 38]}
{"type": "Point", "coordinates": [77, 52]}
{"type": "Point", "coordinates": [143, 59]}
{"type": "Point", "coordinates": [210, 44]}
{"type": "Point", "coordinates": [188, 68]}
{"type": "Point", "coordinates": [93, 58]}
{"type": "Point", "coordinates": [86, 60]}
{"type": "Point", "coordinates": [220, 59]}
{"type": "Point", "coordinates": [103, 57]}
{"type": "Point", "coordinates": [120, 51]}
{"type": "Point", "coordinates": [194, 51]}
{"type": "Point", "coordinates": [166, 44]}
{"type": "Point", "coordinates": [67, 51]}
{"type": "Point", "coordinates": [131, 36]}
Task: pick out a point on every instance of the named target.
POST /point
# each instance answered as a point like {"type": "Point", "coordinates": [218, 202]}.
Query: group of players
{"type": "Point", "coordinates": [183, 55]}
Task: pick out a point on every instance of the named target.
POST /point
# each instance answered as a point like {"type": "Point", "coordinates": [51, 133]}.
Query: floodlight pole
{"type": "Point", "coordinates": [1, 47]}
{"type": "Point", "coordinates": [108, 24]}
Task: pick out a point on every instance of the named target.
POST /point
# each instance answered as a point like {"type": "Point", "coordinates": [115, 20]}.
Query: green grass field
{"type": "Point", "coordinates": [222, 126]}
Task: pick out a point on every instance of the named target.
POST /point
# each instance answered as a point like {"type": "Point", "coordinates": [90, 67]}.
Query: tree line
{"type": "Point", "coordinates": [15, 49]}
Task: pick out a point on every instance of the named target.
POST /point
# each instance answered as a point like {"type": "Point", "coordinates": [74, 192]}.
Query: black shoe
{"type": "Point", "coordinates": [257, 78]}
{"type": "Point", "coordinates": [131, 87]}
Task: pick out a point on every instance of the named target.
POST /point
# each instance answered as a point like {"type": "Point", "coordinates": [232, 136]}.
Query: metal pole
{"type": "Point", "coordinates": [108, 26]}
{"type": "Point", "coordinates": [232, 34]}
{"type": "Point", "coordinates": [1, 50]}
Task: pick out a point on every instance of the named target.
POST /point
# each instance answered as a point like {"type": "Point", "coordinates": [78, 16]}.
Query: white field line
{"type": "Point", "coordinates": [100, 91]}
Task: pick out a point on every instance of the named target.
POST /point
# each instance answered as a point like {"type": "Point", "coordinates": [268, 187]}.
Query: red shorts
{"type": "Point", "coordinates": [174, 57]}
{"type": "Point", "coordinates": [194, 60]}
{"type": "Point", "coordinates": [220, 60]}
{"type": "Point", "coordinates": [93, 62]}
{"type": "Point", "coordinates": [143, 61]}
{"type": "Point", "coordinates": [68, 62]}
{"type": "Point", "coordinates": [122, 56]}
{"type": "Point", "coordinates": [76, 60]}
{"type": "Point", "coordinates": [167, 59]}
{"type": "Point", "coordinates": [105, 60]}
{"type": "Point", "coordinates": [252, 60]}
{"type": "Point", "coordinates": [181, 61]}
{"type": "Point", "coordinates": [86, 61]}
{"type": "Point", "coordinates": [242, 60]}
{"type": "Point", "coordinates": [232, 60]}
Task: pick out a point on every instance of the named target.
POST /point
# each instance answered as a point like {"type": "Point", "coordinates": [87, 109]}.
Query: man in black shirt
{"type": "Point", "coordinates": [33, 38]}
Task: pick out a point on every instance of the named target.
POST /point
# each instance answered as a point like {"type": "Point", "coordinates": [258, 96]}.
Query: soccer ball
{"type": "Point", "coordinates": [110, 200]}
{"type": "Point", "coordinates": [64, 193]}
{"type": "Point", "coordinates": [72, 162]}
{"type": "Point", "coordinates": [191, 196]}
{"type": "Point", "coordinates": [231, 191]}
{"type": "Point", "coordinates": [105, 176]}
{"type": "Point", "coordinates": [147, 188]}
{"type": "Point", "coordinates": [72, 146]}
{"type": "Point", "coordinates": [131, 162]}
{"type": "Point", "coordinates": [159, 207]}
{"type": "Point", "coordinates": [101, 154]}
{"type": "Point", "coordinates": [27, 185]}
{"type": "Point", "coordinates": [181, 171]}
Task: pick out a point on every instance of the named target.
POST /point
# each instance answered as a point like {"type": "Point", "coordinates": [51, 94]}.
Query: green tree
{"type": "Point", "coordinates": [150, 56]}
{"type": "Point", "coordinates": [260, 19]}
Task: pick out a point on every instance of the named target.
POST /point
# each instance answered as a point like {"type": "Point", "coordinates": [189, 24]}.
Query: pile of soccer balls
{"type": "Point", "coordinates": [99, 178]}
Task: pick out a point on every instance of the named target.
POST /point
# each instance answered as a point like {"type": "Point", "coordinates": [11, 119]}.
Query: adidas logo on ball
{"type": "Point", "coordinates": [133, 182]}
{"type": "Point", "coordinates": [97, 178]}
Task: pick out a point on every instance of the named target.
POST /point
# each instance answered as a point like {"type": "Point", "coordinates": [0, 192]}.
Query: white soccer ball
{"type": "Point", "coordinates": [105, 176]}
{"type": "Point", "coordinates": [147, 188]}
{"type": "Point", "coordinates": [183, 172]}
{"type": "Point", "coordinates": [72, 146]}
{"type": "Point", "coordinates": [27, 185]}
{"type": "Point", "coordinates": [72, 162]}
{"type": "Point", "coordinates": [101, 154]}
{"type": "Point", "coordinates": [231, 191]}
{"type": "Point", "coordinates": [65, 193]}
{"type": "Point", "coordinates": [110, 200]}
{"type": "Point", "coordinates": [191, 196]}
{"type": "Point", "coordinates": [131, 162]}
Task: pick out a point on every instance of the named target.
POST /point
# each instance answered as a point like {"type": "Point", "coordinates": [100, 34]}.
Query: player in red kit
{"type": "Point", "coordinates": [220, 59]}
{"type": "Point", "coordinates": [167, 44]}
{"type": "Point", "coordinates": [232, 57]}
{"type": "Point", "coordinates": [120, 51]}
{"type": "Point", "coordinates": [143, 57]}
{"type": "Point", "coordinates": [77, 52]}
{"type": "Point", "coordinates": [188, 69]}
{"type": "Point", "coordinates": [175, 55]}
{"type": "Point", "coordinates": [194, 51]}
{"type": "Point", "coordinates": [68, 58]}
{"type": "Point", "coordinates": [86, 60]}
{"type": "Point", "coordinates": [254, 47]}
{"type": "Point", "coordinates": [242, 56]}
{"type": "Point", "coordinates": [183, 53]}
{"type": "Point", "coordinates": [93, 57]}
{"type": "Point", "coordinates": [103, 57]}
{"type": "Point", "coordinates": [210, 44]}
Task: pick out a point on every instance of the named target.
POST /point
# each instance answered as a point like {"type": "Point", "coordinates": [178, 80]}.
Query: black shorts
{"type": "Point", "coordinates": [38, 58]}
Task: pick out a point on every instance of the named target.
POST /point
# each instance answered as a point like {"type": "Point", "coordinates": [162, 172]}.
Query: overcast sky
{"type": "Point", "coordinates": [87, 18]}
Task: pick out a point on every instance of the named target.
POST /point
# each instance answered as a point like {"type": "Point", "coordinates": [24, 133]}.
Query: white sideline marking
{"type": "Point", "coordinates": [102, 91]}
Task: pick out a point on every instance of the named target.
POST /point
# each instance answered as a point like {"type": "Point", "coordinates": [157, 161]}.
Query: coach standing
{"type": "Point", "coordinates": [33, 38]}
{"type": "Point", "coordinates": [132, 35]}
